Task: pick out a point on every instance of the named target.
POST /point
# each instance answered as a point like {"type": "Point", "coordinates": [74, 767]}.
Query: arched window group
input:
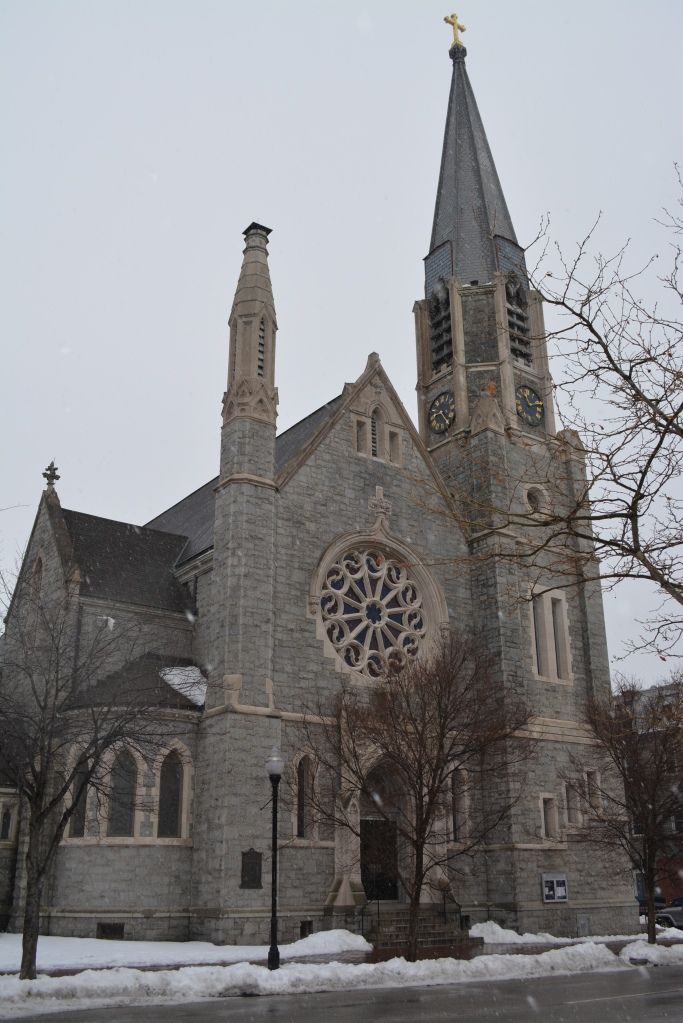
{"type": "Point", "coordinates": [123, 800]}
{"type": "Point", "coordinates": [374, 436]}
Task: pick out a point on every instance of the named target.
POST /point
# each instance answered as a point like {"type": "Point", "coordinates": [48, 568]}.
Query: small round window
{"type": "Point", "coordinates": [372, 611]}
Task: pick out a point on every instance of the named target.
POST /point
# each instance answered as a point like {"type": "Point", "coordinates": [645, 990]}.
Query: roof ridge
{"type": "Point", "coordinates": [325, 404]}
{"type": "Point", "coordinates": [120, 522]}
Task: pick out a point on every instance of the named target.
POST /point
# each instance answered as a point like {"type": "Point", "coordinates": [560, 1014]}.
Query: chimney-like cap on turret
{"type": "Point", "coordinates": [254, 228]}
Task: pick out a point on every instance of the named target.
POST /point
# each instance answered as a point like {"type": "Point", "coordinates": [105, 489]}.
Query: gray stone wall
{"type": "Point", "coordinates": [259, 634]}
{"type": "Point", "coordinates": [146, 887]}
{"type": "Point", "coordinates": [479, 323]}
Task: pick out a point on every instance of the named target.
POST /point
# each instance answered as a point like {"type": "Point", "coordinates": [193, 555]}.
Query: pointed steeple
{"type": "Point", "coordinates": [472, 234]}
{"type": "Point", "coordinates": [251, 372]}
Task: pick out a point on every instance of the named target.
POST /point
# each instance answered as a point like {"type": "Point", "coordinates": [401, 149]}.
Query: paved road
{"type": "Point", "coordinates": [650, 995]}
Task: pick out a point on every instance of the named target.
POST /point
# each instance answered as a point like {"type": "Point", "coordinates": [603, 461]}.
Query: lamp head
{"type": "Point", "coordinates": [275, 764]}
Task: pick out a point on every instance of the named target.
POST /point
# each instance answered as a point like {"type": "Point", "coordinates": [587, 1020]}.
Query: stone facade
{"type": "Point", "coordinates": [241, 599]}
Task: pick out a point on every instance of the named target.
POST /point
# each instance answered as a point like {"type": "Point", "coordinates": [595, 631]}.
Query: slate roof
{"type": "Point", "coordinates": [472, 233]}
{"type": "Point", "coordinates": [193, 516]}
{"type": "Point", "coordinates": [140, 681]}
{"type": "Point", "coordinates": [135, 564]}
{"type": "Point", "coordinates": [119, 561]}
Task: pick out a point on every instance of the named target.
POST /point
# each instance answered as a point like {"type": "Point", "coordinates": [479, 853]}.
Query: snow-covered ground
{"type": "Point", "coordinates": [86, 953]}
{"type": "Point", "coordinates": [123, 985]}
{"type": "Point", "coordinates": [193, 983]}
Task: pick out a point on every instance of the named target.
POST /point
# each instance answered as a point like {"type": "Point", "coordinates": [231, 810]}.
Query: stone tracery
{"type": "Point", "coordinates": [372, 611]}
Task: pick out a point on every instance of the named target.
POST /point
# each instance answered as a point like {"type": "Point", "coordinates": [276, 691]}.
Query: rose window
{"type": "Point", "coordinates": [372, 611]}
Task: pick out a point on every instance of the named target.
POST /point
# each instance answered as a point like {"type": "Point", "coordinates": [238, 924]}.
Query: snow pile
{"type": "Point", "coordinates": [188, 681]}
{"type": "Point", "coordinates": [192, 983]}
{"type": "Point", "coordinates": [494, 934]}
{"type": "Point", "coordinates": [655, 955]}
{"type": "Point", "coordinates": [56, 953]}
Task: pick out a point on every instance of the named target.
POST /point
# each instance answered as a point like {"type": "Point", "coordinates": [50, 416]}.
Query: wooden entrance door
{"type": "Point", "coordinates": [379, 859]}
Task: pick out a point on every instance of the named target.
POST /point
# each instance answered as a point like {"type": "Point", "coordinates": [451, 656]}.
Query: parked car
{"type": "Point", "coordinates": [678, 901]}
{"type": "Point", "coordinates": [660, 903]}
{"type": "Point", "coordinates": [670, 916]}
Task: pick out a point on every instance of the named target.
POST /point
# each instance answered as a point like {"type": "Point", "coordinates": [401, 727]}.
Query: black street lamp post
{"type": "Point", "coordinates": [275, 766]}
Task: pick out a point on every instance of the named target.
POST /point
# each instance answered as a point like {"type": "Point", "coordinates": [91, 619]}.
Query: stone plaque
{"type": "Point", "coordinates": [251, 869]}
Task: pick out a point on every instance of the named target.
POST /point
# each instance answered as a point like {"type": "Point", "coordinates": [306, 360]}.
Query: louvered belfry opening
{"type": "Point", "coordinates": [261, 347]}
{"type": "Point", "coordinates": [440, 332]}
{"type": "Point", "coordinates": [517, 306]}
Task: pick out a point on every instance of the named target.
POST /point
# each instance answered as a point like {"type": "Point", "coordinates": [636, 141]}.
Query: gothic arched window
{"type": "Point", "coordinates": [124, 777]}
{"type": "Point", "coordinates": [77, 825]}
{"type": "Point", "coordinates": [6, 826]}
{"type": "Point", "coordinates": [170, 796]}
{"type": "Point", "coordinates": [459, 804]}
{"type": "Point", "coordinates": [304, 792]}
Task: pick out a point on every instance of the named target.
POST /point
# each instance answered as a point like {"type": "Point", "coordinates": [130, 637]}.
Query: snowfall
{"type": "Point", "coordinates": [137, 972]}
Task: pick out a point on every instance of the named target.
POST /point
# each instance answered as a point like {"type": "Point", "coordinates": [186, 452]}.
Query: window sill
{"type": "Point", "coordinates": [310, 843]}
{"type": "Point", "coordinates": [128, 841]}
{"type": "Point", "coordinates": [553, 680]}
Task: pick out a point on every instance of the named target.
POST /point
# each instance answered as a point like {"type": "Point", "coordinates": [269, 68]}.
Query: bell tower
{"type": "Point", "coordinates": [481, 355]}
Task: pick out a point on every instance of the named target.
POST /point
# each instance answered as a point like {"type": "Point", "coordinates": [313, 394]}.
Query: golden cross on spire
{"type": "Point", "coordinates": [452, 19]}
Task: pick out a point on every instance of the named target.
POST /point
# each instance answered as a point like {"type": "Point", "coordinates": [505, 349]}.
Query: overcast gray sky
{"type": "Point", "coordinates": [140, 137]}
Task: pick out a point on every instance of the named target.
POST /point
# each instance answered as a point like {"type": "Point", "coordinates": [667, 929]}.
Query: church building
{"type": "Point", "coordinates": [235, 590]}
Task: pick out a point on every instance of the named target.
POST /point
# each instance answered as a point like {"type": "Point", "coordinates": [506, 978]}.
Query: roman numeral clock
{"type": "Point", "coordinates": [441, 412]}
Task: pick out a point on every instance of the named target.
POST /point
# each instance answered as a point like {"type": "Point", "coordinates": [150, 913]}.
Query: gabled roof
{"type": "Point", "coordinates": [122, 562]}
{"type": "Point", "coordinates": [193, 517]}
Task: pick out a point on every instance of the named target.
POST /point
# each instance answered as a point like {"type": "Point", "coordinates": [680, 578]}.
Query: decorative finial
{"type": "Point", "coordinates": [51, 475]}
{"type": "Point", "coordinates": [452, 19]}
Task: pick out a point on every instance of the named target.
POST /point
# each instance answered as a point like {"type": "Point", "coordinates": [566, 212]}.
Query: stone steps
{"type": "Point", "coordinates": [390, 931]}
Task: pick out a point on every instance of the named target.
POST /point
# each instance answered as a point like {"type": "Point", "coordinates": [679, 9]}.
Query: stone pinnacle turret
{"type": "Point", "coordinates": [251, 372]}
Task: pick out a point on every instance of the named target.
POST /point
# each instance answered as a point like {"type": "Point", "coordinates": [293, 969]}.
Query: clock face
{"type": "Point", "coordinates": [441, 412]}
{"type": "Point", "coordinates": [529, 405]}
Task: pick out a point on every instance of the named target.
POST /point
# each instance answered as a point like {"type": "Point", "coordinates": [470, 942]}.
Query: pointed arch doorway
{"type": "Point", "coordinates": [379, 838]}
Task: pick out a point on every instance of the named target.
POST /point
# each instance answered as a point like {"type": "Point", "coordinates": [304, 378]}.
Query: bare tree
{"type": "Point", "coordinates": [627, 792]}
{"type": "Point", "coordinates": [61, 722]}
{"type": "Point", "coordinates": [619, 380]}
{"type": "Point", "coordinates": [447, 736]}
